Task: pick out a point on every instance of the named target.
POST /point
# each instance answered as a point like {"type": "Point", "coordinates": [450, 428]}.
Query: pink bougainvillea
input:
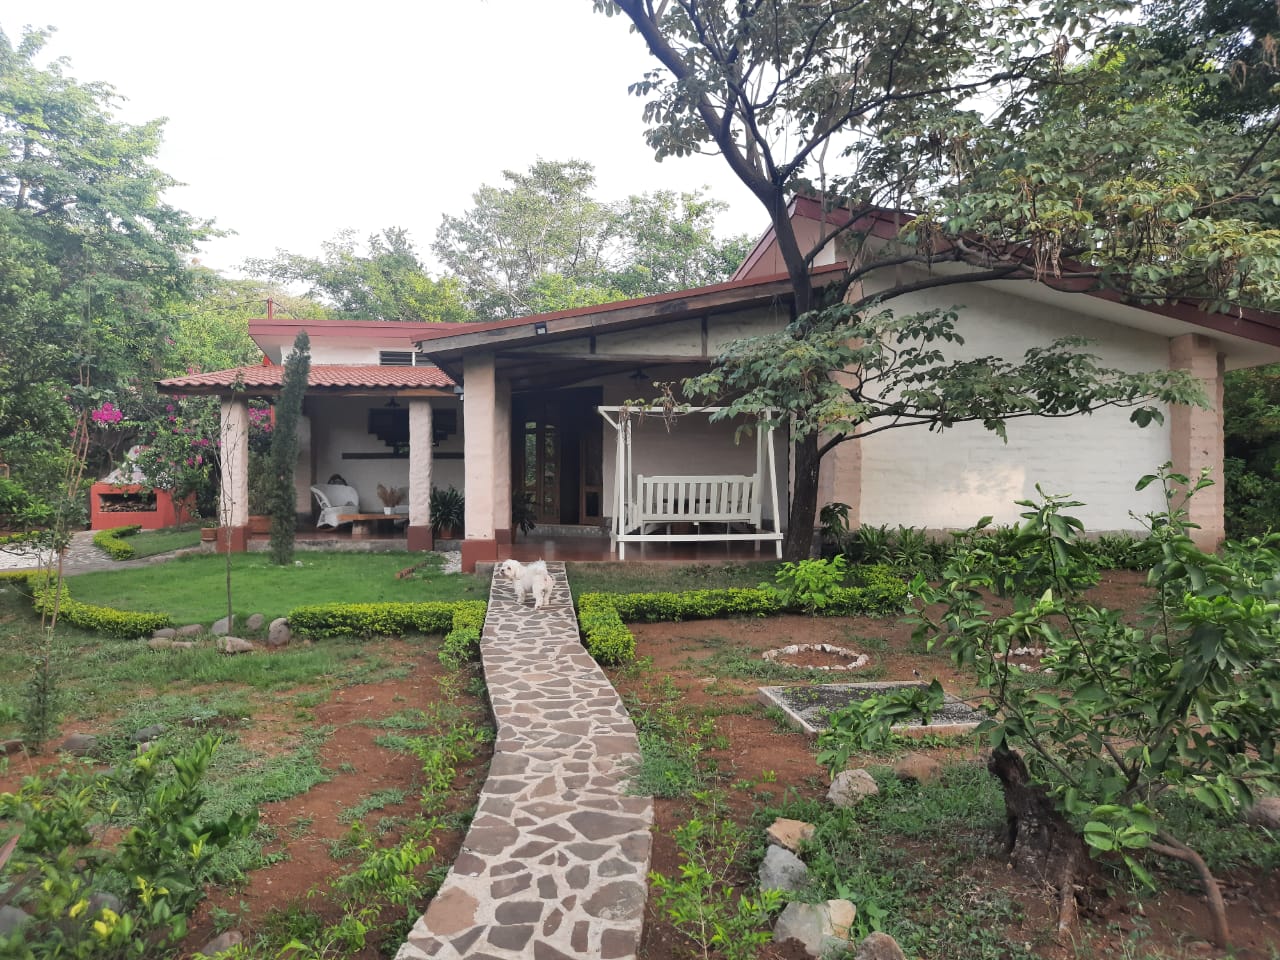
{"type": "Point", "coordinates": [107, 413]}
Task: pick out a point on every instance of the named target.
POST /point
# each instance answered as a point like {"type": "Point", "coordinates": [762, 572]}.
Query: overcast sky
{"type": "Point", "coordinates": [290, 121]}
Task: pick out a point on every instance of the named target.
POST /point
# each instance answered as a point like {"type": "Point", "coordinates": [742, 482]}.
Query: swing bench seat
{"type": "Point", "coordinates": [725, 501]}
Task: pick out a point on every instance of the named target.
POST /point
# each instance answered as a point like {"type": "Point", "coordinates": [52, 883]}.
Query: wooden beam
{"type": "Point", "coordinates": [623, 359]}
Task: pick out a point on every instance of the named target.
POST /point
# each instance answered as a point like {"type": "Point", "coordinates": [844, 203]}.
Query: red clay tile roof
{"type": "Point", "coordinates": [324, 376]}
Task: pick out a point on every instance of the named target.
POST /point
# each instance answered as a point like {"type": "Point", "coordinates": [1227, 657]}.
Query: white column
{"type": "Point", "coordinates": [233, 500]}
{"type": "Point", "coordinates": [420, 461]}
{"type": "Point", "coordinates": [480, 407]}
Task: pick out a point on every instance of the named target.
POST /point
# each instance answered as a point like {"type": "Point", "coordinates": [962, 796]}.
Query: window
{"type": "Point", "coordinates": [403, 358]}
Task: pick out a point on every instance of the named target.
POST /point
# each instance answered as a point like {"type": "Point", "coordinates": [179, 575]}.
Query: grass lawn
{"type": "Point", "coordinates": [148, 543]}
{"type": "Point", "coordinates": [192, 589]}
{"type": "Point", "coordinates": [662, 577]}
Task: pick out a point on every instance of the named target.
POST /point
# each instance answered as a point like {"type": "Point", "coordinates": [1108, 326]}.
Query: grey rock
{"type": "Point", "coordinates": [102, 900]}
{"type": "Point", "coordinates": [279, 634]}
{"type": "Point", "coordinates": [879, 946]}
{"type": "Point", "coordinates": [222, 943]}
{"type": "Point", "coordinates": [1265, 813]}
{"type": "Point", "coordinates": [221, 627]}
{"type": "Point", "coordinates": [80, 744]}
{"type": "Point", "coordinates": [164, 633]}
{"type": "Point", "coordinates": [812, 925]}
{"type": "Point", "coordinates": [159, 643]}
{"type": "Point", "coordinates": [11, 918]}
{"type": "Point", "coordinates": [255, 622]}
{"type": "Point", "coordinates": [191, 630]}
{"type": "Point", "coordinates": [183, 645]}
{"type": "Point", "coordinates": [148, 733]}
{"type": "Point", "coordinates": [235, 645]}
{"type": "Point", "coordinates": [782, 870]}
{"type": "Point", "coordinates": [850, 786]}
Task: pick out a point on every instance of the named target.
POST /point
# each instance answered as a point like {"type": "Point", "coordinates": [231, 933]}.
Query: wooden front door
{"type": "Point", "coordinates": [557, 456]}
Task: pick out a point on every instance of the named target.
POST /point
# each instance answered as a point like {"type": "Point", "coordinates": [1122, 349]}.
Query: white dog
{"type": "Point", "coordinates": [529, 578]}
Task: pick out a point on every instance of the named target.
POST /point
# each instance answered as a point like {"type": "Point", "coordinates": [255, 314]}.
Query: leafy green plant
{"type": "Point", "coordinates": [448, 511]}
{"type": "Point", "coordinates": [809, 584]}
{"type": "Point", "coordinates": [41, 702]}
{"type": "Point", "coordinates": [1181, 704]}
{"type": "Point", "coordinates": [866, 724]}
{"type": "Point", "coordinates": [833, 520]}
{"type": "Point", "coordinates": [702, 903]}
{"type": "Point", "coordinates": [112, 541]}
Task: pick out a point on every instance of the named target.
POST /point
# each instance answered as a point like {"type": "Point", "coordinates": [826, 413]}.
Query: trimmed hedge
{"type": "Point", "coordinates": [366, 620]}
{"type": "Point", "coordinates": [606, 637]}
{"type": "Point", "coordinates": [112, 541]}
{"type": "Point", "coordinates": [603, 616]}
{"type": "Point", "coordinates": [125, 624]}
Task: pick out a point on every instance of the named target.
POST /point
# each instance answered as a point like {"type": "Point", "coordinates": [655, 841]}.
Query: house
{"type": "Point", "coordinates": [513, 408]}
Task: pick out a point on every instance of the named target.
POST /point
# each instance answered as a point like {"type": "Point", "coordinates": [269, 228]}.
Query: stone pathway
{"type": "Point", "coordinates": [554, 865]}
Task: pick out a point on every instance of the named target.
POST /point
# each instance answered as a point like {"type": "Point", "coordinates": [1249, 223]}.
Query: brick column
{"type": "Point", "coordinates": [480, 461]}
{"type": "Point", "coordinates": [233, 496]}
{"type": "Point", "coordinates": [420, 439]}
{"type": "Point", "coordinates": [1195, 434]}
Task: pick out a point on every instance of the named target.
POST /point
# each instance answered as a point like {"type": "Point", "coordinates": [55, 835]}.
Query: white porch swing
{"type": "Point", "coordinates": [646, 507]}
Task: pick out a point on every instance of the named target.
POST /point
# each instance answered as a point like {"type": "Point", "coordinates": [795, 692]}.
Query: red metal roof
{"type": "Point", "coordinates": [323, 376]}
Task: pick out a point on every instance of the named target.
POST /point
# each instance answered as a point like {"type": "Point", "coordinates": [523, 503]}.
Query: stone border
{"type": "Point", "coordinates": [772, 697]}
{"type": "Point", "coordinates": [856, 660]}
{"type": "Point", "coordinates": [554, 865]}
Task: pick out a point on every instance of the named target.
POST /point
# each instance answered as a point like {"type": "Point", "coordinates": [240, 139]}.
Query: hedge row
{"type": "Point", "coordinates": [112, 541]}
{"type": "Point", "coordinates": [126, 624]}
{"type": "Point", "coordinates": [365, 620]}
{"type": "Point", "coordinates": [603, 616]}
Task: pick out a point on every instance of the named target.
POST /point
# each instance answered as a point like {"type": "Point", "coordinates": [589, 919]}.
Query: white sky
{"type": "Point", "coordinates": [290, 121]}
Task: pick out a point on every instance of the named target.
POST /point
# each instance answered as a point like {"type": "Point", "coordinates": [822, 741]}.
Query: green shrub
{"type": "Point", "coordinates": [607, 638]}
{"type": "Point", "coordinates": [126, 624]}
{"type": "Point", "coordinates": [462, 642]}
{"type": "Point", "coordinates": [808, 584]}
{"type": "Point", "coordinates": [112, 541]}
{"type": "Point", "coordinates": [366, 620]}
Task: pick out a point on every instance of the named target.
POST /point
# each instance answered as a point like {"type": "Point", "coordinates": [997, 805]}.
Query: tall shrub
{"type": "Point", "coordinates": [284, 449]}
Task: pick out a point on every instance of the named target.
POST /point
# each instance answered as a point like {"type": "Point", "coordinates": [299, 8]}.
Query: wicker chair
{"type": "Point", "coordinates": [334, 499]}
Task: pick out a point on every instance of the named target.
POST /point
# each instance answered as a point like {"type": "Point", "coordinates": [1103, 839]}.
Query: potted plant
{"type": "Point", "coordinates": [391, 498]}
{"type": "Point", "coordinates": [448, 512]}
{"type": "Point", "coordinates": [522, 516]}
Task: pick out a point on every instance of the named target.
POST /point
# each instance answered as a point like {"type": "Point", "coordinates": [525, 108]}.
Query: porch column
{"type": "Point", "coordinates": [1195, 435]}
{"type": "Point", "coordinates": [233, 496]}
{"type": "Point", "coordinates": [420, 439]}
{"type": "Point", "coordinates": [502, 462]}
{"type": "Point", "coordinates": [480, 460]}
{"type": "Point", "coordinates": [302, 469]}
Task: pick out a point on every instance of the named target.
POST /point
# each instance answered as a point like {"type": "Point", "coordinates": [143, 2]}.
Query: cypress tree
{"type": "Point", "coordinates": [284, 450]}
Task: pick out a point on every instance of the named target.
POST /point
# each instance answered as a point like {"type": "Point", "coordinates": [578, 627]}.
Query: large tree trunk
{"type": "Point", "coordinates": [1038, 839]}
{"type": "Point", "coordinates": [804, 500]}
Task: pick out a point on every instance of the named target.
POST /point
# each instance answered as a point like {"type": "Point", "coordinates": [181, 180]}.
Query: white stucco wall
{"type": "Point", "coordinates": [341, 425]}
{"type": "Point", "coordinates": [946, 481]}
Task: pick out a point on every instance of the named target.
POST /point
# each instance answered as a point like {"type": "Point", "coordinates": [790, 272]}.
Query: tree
{"type": "Point", "coordinates": [284, 450]}
{"type": "Point", "coordinates": [986, 136]}
{"type": "Point", "coordinates": [389, 282]}
{"type": "Point", "coordinates": [542, 242]}
{"type": "Point", "coordinates": [93, 258]}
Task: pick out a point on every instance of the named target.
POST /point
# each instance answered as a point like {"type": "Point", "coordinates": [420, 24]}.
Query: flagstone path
{"type": "Point", "coordinates": [554, 864]}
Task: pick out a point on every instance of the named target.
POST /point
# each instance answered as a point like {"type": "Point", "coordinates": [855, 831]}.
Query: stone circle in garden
{"type": "Point", "coordinates": [852, 659]}
{"type": "Point", "coordinates": [806, 706]}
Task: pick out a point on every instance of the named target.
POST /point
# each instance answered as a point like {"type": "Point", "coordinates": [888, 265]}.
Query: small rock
{"type": "Point", "coordinates": [191, 630]}
{"type": "Point", "coordinates": [80, 744]}
{"type": "Point", "coordinates": [812, 925]}
{"type": "Point", "coordinates": [101, 900]}
{"type": "Point", "coordinates": [221, 627]}
{"type": "Point", "coordinates": [164, 633]}
{"type": "Point", "coordinates": [255, 622]}
{"type": "Point", "coordinates": [789, 833]}
{"type": "Point", "coordinates": [11, 918]}
{"type": "Point", "coordinates": [235, 645]}
{"type": "Point", "coordinates": [918, 767]}
{"type": "Point", "coordinates": [278, 634]}
{"type": "Point", "coordinates": [183, 645]}
{"type": "Point", "coordinates": [850, 786]}
{"type": "Point", "coordinates": [222, 943]}
{"type": "Point", "coordinates": [148, 733]}
{"type": "Point", "coordinates": [1264, 813]}
{"type": "Point", "coordinates": [879, 946]}
{"type": "Point", "coordinates": [159, 643]}
{"type": "Point", "coordinates": [782, 870]}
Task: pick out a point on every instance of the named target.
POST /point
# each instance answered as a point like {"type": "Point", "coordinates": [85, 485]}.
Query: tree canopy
{"type": "Point", "coordinates": [1003, 142]}
{"type": "Point", "coordinates": [544, 242]}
